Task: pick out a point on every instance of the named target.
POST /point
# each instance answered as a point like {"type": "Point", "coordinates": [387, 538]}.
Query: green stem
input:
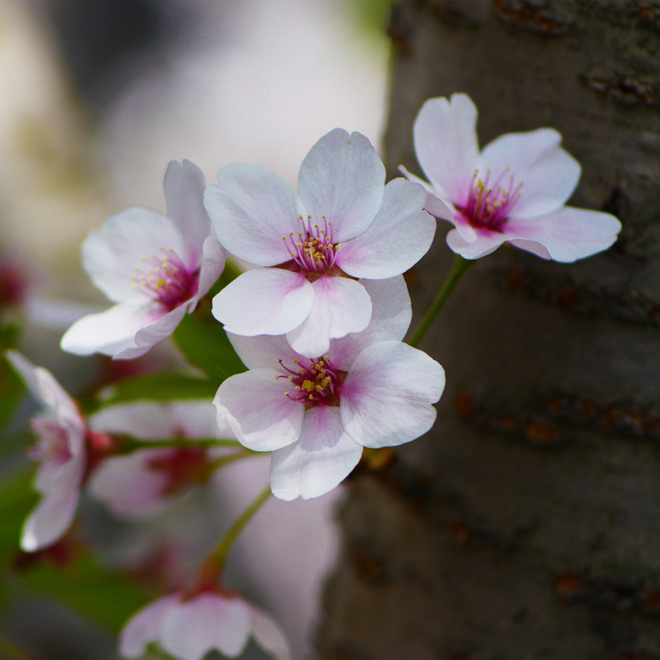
{"type": "Point", "coordinates": [129, 444]}
{"type": "Point", "coordinates": [212, 567]}
{"type": "Point", "coordinates": [218, 463]}
{"type": "Point", "coordinates": [459, 267]}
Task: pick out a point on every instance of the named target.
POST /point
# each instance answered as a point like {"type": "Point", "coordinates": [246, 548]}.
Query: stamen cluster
{"type": "Point", "coordinates": [313, 248]}
{"type": "Point", "coordinates": [315, 383]}
{"type": "Point", "coordinates": [168, 282]}
{"type": "Point", "coordinates": [489, 207]}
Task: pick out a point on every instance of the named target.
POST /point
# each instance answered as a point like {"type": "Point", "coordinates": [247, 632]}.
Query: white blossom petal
{"type": "Point", "coordinates": [548, 173]}
{"type": "Point", "coordinates": [390, 319]}
{"type": "Point", "coordinates": [485, 242]}
{"type": "Point", "coordinates": [433, 204]}
{"type": "Point", "coordinates": [251, 209]}
{"type": "Point", "coordinates": [55, 511]}
{"type": "Point", "coordinates": [446, 145]}
{"type": "Point", "coordinates": [112, 254]}
{"type": "Point", "coordinates": [145, 626]}
{"type": "Point", "coordinates": [153, 333]}
{"type": "Point", "coordinates": [324, 456]}
{"type": "Point", "coordinates": [387, 395]}
{"type": "Point", "coordinates": [128, 486]}
{"type": "Point", "coordinates": [184, 192]}
{"type": "Point", "coordinates": [212, 265]}
{"type": "Point", "coordinates": [340, 306]}
{"type": "Point", "coordinates": [567, 235]}
{"type": "Point", "coordinates": [263, 351]}
{"type": "Point", "coordinates": [342, 178]}
{"type": "Point", "coordinates": [400, 235]}
{"type": "Point", "coordinates": [268, 635]}
{"type": "Point", "coordinates": [111, 332]}
{"type": "Point", "coordinates": [192, 628]}
{"type": "Point", "coordinates": [256, 407]}
{"type": "Point", "coordinates": [264, 302]}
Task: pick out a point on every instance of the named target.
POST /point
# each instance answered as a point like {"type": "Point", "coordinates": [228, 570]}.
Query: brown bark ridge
{"type": "Point", "coordinates": [527, 523]}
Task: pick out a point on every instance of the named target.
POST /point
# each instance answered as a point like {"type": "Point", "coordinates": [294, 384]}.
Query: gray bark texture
{"type": "Point", "coordinates": [527, 523]}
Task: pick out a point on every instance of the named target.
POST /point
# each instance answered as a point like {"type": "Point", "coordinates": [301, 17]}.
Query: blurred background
{"type": "Point", "coordinates": [96, 97]}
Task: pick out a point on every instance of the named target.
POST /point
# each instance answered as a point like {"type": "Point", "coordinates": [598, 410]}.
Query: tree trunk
{"type": "Point", "coordinates": [527, 524]}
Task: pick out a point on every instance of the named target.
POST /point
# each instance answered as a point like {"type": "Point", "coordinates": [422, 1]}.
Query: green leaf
{"type": "Point", "coordinates": [206, 346]}
{"type": "Point", "coordinates": [17, 499]}
{"type": "Point", "coordinates": [11, 391]}
{"type": "Point", "coordinates": [87, 586]}
{"type": "Point", "coordinates": [159, 387]}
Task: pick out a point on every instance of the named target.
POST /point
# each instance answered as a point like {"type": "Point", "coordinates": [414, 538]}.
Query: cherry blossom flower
{"type": "Point", "coordinates": [316, 415]}
{"type": "Point", "coordinates": [188, 626]}
{"type": "Point", "coordinates": [155, 268]}
{"type": "Point", "coordinates": [145, 482]}
{"type": "Point", "coordinates": [344, 224]}
{"type": "Point", "coordinates": [61, 453]}
{"type": "Point", "coordinates": [513, 191]}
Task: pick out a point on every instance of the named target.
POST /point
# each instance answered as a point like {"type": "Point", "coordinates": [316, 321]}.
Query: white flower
{"type": "Point", "coordinates": [513, 191]}
{"type": "Point", "coordinates": [61, 453]}
{"type": "Point", "coordinates": [316, 415]}
{"type": "Point", "coordinates": [156, 268]}
{"type": "Point", "coordinates": [188, 626]}
{"type": "Point", "coordinates": [343, 224]}
{"type": "Point", "coordinates": [145, 482]}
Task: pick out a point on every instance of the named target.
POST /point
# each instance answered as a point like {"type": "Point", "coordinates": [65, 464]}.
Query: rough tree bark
{"type": "Point", "coordinates": [527, 524]}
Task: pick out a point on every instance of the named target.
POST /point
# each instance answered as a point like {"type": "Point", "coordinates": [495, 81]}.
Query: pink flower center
{"type": "Point", "coordinates": [315, 383]}
{"type": "Point", "coordinates": [52, 446]}
{"type": "Point", "coordinates": [489, 207]}
{"type": "Point", "coordinates": [312, 249]}
{"type": "Point", "coordinates": [165, 279]}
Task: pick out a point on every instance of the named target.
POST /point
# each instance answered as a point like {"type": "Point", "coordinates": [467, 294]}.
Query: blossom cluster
{"type": "Point", "coordinates": [318, 322]}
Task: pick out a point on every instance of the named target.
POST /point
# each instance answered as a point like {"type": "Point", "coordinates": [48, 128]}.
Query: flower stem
{"type": "Point", "coordinates": [212, 567]}
{"type": "Point", "coordinates": [218, 463]}
{"type": "Point", "coordinates": [128, 444]}
{"type": "Point", "coordinates": [459, 267]}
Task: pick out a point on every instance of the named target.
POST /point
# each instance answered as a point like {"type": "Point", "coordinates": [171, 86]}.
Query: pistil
{"type": "Point", "coordinates": [312, 248]}
{"type": "Point", "coordinates": [489, 207]}
{"type": "Point", "coordinates": [315, 383]}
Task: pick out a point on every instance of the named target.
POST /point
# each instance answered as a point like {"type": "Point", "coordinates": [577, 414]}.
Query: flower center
{"type": "Point", "coordinates": [315, 383]}
{"type": "Point", "coordinates": [312, 249]}
{"type": "Point", "coordinates": [489, 206]}
{"type": "Point", "coordinates": [52, 445]}
{"type": "Point", "coordinates": [164, 278]}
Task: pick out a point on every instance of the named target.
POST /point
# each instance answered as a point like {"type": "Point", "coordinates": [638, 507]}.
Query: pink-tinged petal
{"type": "Point", "coordinates": [251, 209]}
{"type": "Point", "coordinates": [127, 485]}
{"type": "Point", "coordinates": [57, 508]}
{"type": "Point", "coordinates": [446, 145]}
{"type": "Point", "coordinates": [390, 319]}
{"type": "Point", "coordinates": [155, 332]}
{"type": "Point", "coordinates": [145, 626]}
{"type": "Point", "coordinates": [111, 332]}
{"type": "Point", "coordinates": [213, 263]}
{"type": "Point", "coordinates": [49, 392]}
{"type": "Point", "coordinates": [340, 306]}
{"type": "Point", "coordinates": [208, 621]}
{"type": "Point", "coordinates": [144, 420]}
{"type": "Point", "coordinates": [256, 407]}
{"type": "Point", "coordinates": [184, 191]}
{"type": "Point", "coordinates": [264, 302]}
{"type": "Point", "coordinates": [322, 458]}
{"type": "Point", "coordinates": [195, 419]}
{"type": "Point", "coordinates": [112, 254]}
{"type": "Point", "coordinates": [264, 351]}
{"type": "Point", "coordinates": [434, 205]}
{"type": "Point", "coordinates": [567, 235]}
{"type": "Point", "coordinates": [268, 635]}
{"type": "Point", "coordinates": [400, 235]}
{"type": "Point", "coordinates": [342, 178]}
{"type": "Point", "coordinates": [486, 241]}
{"type": "Point", "coordinates": [547, 172]}
{"type": "Point", "coordinates": [386, 397]}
